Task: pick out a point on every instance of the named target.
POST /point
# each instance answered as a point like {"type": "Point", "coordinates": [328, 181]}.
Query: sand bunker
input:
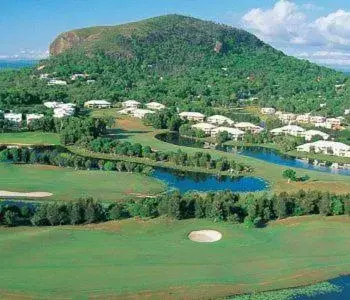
{"type": "Point", "coordinates": [27, 195]}
{"type": "Point", "coordinates": [205, 236]}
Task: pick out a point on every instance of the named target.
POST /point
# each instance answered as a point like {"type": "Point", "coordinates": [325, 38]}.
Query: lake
{"type": "Point", "coordinates": [269, 155]}
{"type": "Point", "coordinates": [191, 181]}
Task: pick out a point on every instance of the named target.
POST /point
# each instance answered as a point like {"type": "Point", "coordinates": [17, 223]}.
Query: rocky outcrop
{"type": "Point", "coordinates": [64, 42]}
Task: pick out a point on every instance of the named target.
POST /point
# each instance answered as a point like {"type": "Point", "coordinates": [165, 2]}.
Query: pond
{"type": "Point", "coordinates": [191, 181]}
{"type": "Point", "coordinates": [265, 154]}
{"type": "Point", "coordinates": [343, 283]}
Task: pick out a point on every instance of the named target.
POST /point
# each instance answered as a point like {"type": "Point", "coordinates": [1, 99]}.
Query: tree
{"type": "Point", "coordinates": [289, 174]}
{"type": "Point", "coordinates": [222, 137]}
{"type": "Point", "coordinates": [10, 218]}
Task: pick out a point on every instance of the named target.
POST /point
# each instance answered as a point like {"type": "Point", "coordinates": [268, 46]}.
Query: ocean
{"type": "Point", "coordinates": [16, 64]}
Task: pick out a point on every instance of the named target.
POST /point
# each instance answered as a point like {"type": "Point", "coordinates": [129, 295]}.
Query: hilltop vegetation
{"type": "Point", "coordinates": [180, 61]}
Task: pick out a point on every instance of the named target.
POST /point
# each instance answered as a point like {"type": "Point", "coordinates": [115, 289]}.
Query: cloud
{"type": "Point", "coordinates": [284, 21]}
{"type": "Point", "coordinates": [26, 54]}
{"type": "Point", "coordinates": [328, 58]}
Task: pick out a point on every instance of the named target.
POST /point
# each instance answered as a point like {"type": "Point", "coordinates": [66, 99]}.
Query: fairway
{"type": "Point", "coordinates": [30, 138]}
{"type": "Point", "coordinates": [155, 258]}
{"type": "Point", "coordinates": [68, 184]}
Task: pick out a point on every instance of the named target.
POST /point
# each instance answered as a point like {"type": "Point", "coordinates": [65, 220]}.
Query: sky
{"type": "Point", "coordinates": [315, 30]}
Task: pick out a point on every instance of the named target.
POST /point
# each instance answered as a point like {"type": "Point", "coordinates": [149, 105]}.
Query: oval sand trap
{"type": "Point", "coordinates": [29, 195]}
{"type": "Point", "coordinates": [205, 236]}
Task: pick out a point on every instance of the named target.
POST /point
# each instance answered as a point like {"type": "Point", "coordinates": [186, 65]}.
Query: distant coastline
{"type": "Point", "coordinates": [16, 64]}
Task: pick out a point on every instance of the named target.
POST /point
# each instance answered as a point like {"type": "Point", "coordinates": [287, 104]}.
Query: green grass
{"type": "Point", "coordinates": [30, 138]}
{"type": "Point", "coordinates": [155, 258]}
{"type": "Point", "coordinates": [68, 184]}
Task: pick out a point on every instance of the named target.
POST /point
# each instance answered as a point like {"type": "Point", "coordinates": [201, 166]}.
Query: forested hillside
{"type": "Point", "coordinates": [180, 61]}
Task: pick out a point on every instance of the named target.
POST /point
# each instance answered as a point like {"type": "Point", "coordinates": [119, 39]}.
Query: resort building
{"type": "Point", "coordinates": [155, 106]}
{"type": "Point", "coordinates": [57, 82]}
{"type": "Point", "coordinates": [268, 111]}
{"type": "Point", "coordinates": [246, 126]}
{"type": "Point", "coordinates": [90, 81]}
{"type": "Point", "coordinates": [44, 76]}
{"type": "Point", "coordinates": [326, 147]}
{"type": "Point", "coordinates": [140, 113]}
{"type": "Point", "coordinates": [234, 133]}
{"type": "Point", "coordinates": [97, 104]}
{"type": "Point", "coordinates": [207, 128]}
{"type": "Point", "coordinates": [220, 120]}
{"type": "Point", "coordinates": [31, 117]}
{"type": "Point", "coordinates": [304, 119]}
{"type": "Point", "coordinates": [308, 135]}
{"type": "Point", "coordinates": [52, 104]}
{"type": "Point", "coordinates": [14, 118]}
{"type": "Point", "coordinates": [76, 76]}
{"type": "Point", "coordinates": [333, 123]}
{"type": "Point", "coordinates": [292, 130]}
{"type": "Point", "coordinates": [347, 112]}
{"type": "Point", "coordinates": [287, 118]}
{"type": "Point", "coordinates": [317, 119]}
{"type": "Point", "coordinates": [192, 116]}
{"type": "Point", "coordinates": [131, 104]}
{"type": "Point", "coordinates": [64, 110]}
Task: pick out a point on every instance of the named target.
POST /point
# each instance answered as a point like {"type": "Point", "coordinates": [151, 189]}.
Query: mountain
{"type": "Point", "coordinates": [189, 63]}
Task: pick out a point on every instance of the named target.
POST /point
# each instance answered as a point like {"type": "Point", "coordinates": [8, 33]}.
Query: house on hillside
{"type": "Point", "coordinates": [250, 127]}
{"type": "Point", "coordinates": [155, 106]}
{"type": "Point", "coordinates": [303, 119]}
{"type": "Point", "coordinates": [97, 104]}
{"type": "Point", "coordinates": [57, 82]}
{"type": "Point", "coordinates": [234, 133]}
{"type": "Point", "coordinates": [52, 104]}
{"type": "Point", "coordinates": [14, 118]}
{"type": "Point", "coordinates": [326, 147]}
{"type": "Point", "coordinates": [287, 118]}
{"type": "Point", "coordinates": [317, 119]}
{"type": "Point", "coordinates": [192, 116]}
{"type": "Point", "coordinates": [220, 120]}
{"type": "Point", "coordinates": [347, 112]}
{"type": "Point", "coordinates": [333, 123]}
{"type": "Point", "coordinates": [141, 113]}
{"type": "Point", "coordinates": [131, 104]}
{"type": "Point", "coordinates": [76, 76]}
{"type": "Point", "coordinates": [268, 111]}
{"type": "Point", "coordinates": [207, 128]}
{"type": "Point", "coordinates": [292, 130]}
{"type": "Point", "coordinates": [64, 110]}
{"type": "Point", "coordinates": [31, 117]}
{"type": "Point", "coordinates": [309, 134]}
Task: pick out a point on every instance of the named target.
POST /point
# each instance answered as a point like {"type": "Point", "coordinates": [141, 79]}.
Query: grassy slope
{"type": "Point", "coordinates": [155, 258]}
{"type": "Point", "coordinates": [68, 184]}
{"type": "Point", "coordinates": [30, 138]}
{"type": "Point", "coordinates": [134, 131]}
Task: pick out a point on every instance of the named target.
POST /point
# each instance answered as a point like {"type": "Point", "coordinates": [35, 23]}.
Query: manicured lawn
{"type": "Point", "coordinates": [155, 258]}
{"type": "Point", "coordinates": [134, 131]}
{"type": "Point", "coordinates": [30, 138]}
{"type": "Point", "coordinates": [68, 184]}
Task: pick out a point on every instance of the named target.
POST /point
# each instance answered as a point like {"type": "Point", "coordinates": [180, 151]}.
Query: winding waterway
{"type": "Point", "coordinates": [261, 153]}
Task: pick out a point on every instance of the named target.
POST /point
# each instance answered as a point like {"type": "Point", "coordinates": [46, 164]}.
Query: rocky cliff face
{"type": "Point", "coordinates": [64, 42]}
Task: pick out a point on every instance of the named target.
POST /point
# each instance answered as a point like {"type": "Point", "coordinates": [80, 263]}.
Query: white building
{"type": "Point", "coordinates": [287, 118]}
{"type": "Point", "coordinates": [317, 119]}
{"type": "Point", "coordinates": [192, 116]}
{"type": "Point", "coordinates": [292, 130]}
{"type": "Point", "coordinates": [52, 104]}
{"type": "Point", "coordinates": [311, 133]}
{"type": "Point", "coordinates": [31, 117]}
{"type": "Point", "coordinates": [155, 106]}
{"type": "Point", "coordinates": [44, 76]}
{"type": "Point", "coordinates": [64, 110]}
{"type": "Point", "coordinates": [268, 111]}
{"type": "Point", "coordinates": [220, 120]}
{"type": "Point", "coordinates": [76, 76]}
{"type": "Point", "coordinates": [333, 122]}
{"type": "Point", "coordinates": [303, 118]}
{"type": "Point", "coordinates": [140, 113]}
{"type": "Point", "coordinates": [90, 81]}
{"type": "Point", "coordinates": [57, 82]}
{"type": "Point", "coordinates": [12, 117]}
{"type": "Point", "coordinates": [131, 104]}
{"type": "Point", "coordinates": [326, 147]}
{"type": "Point", "coordinates": [207, 128]}
{"type": "Point", "coordinates": [347, 112]}
{"type": "Point", "coordinates": [246, 126]}
{"type": "Point", "coordinates": [97, 104]}
{"type": "Point", "coordinates": [234, 133]}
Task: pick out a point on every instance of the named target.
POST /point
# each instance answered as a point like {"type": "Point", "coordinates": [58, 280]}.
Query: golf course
{"type": "Point", "coordinates": [154, 258]}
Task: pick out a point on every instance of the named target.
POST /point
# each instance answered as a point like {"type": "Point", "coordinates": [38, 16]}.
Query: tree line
{"type": "Point", "coordinates": [254, 210]}
{"type": "Point", "coordinates": [180, 158]}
